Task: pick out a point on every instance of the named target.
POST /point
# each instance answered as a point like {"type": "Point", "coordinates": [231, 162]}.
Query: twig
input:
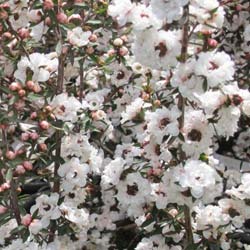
{"type": "Point", "coordinates": [181, 105]}
{"type": "Point", "coordinates": [58, 135]}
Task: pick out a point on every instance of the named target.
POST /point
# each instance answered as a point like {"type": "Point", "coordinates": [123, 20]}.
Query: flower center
{"type": "Point", "coordinates": [194, 135]}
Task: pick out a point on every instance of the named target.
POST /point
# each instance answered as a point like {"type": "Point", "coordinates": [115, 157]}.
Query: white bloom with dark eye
{"type": "Point", "coordinates": [210, 216]}
{"type": "Point", "coordinates": [74, 174]}
{"type": "Point", "coordinates": [162, 122]}
{"type": "Point", "coordinates": [217, 67]}
{"type": "Point", "coordinates": [77, 37]}
{"type": "Point", "coordinates": [47, 208]}
{"type": "Point", "coordinates": [197, 176]}
{"type": "Point", "coordinates": [133, 193]}
{"type": "Point", "coordinates": [197, 133]}
{"type": "Point", "coordinates": [167, 47]}
{"type": "Point", "coordinates": [65, 107]}
{"type": "Point", "coordinates": [112, 172]}
{"type": "Point", "coordinates": [41, 66]}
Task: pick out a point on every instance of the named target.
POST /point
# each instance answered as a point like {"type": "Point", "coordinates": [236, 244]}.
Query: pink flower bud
{"type": "Point", "coordinates": [27, 165]}
{"type": "Point", "coordinates": [26, 220]}
{"type": "Point", "coordinates": [48, 4]}
{"type": "Point", "coordinates": [47, 21]}
{"type": "Point", "coordinates": [43, 147]}
{"type": "Point", "coordinates": [34, 136]}
{"type": "Point", "coordinates": [2, 209]}
{"type": "Point", "coordinates": [20, 170]}
{"type": "Point", "coordinates": [212, 42]}
{"type": "Point", "coordinates": [23, 33]}
{"type": "Point", "coordinates": [123, 51]}
{"type": "Point", "coordinates": [44, 125]}
{"type": "Point", "coordinates": [61, 17]}
{"type": "Point", "coordinates": [25, 136]}
{"type": "Point", "coordinates": [33, 115]}
{"type": "Point", "coordinates": [21, 92]}
{"type": "Point", "coordinates": [10, 155]}
{"type": "Point", "coordinates": [20, 151]}
{"type": "Point", "coordinates": [37, 88]}
{"type": "Point", "coordinates": [111, 52]}
{"type": "Point", "coordinates": [238, 7]}
{"type": "Point", "coordinates": [5, 186]}
{"type": "Point", "coordinates": [14, 86]}
{"type": "Point", "coordinates": [93, 38]}
{"type": "Point", "coordinates": [90, 50]}
{"type": "Point", "coordinates": [30, 85]}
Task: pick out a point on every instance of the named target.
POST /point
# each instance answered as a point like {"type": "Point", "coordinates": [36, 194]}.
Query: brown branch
{"type": "Point", "coordinates": [14, 202]}
{"type": "Point", "coordinates": [58, 135]}
{"type": "Point", "coordinates": [81, 80]}
{"type": "Point", "coordinates": [13, 192]}
{"type": "Point", "coordinates": [181, 105]}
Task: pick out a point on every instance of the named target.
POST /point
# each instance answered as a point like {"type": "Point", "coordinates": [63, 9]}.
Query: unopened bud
{"type": "Point", "coordinates": [48, 4]}
{"type": "Point", "coordinates": [44, 125]}
{"type": "Point", "coordinates": [62, 18]}
{"type": "Point", "coordinates": [26, 220]}
{"type": "Point", "coordinates": [27, 165]}
{"type": "Point", "coordinates": [20, 169]}
{"type": "Point", "coordinates": [212, 42]}
{"type": "Point", "coordinates": [10, 155]}
{"type": "Point", "coordinates": [118, 42]}
{"type": "Point", "coordinates": [23, 33]}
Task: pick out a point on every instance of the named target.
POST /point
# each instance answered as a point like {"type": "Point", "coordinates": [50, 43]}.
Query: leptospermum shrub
{"type": "Point", "coordinates": [110, 115]}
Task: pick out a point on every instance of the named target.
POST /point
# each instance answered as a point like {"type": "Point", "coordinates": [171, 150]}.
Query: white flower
{"type": "Point", "coordinates": [41, 65]}
{"type": "Point", "coordinates": [227, 125]}
{"type": "Point", "coordinates": [217, 67]}
{"type": "Point", "coordinates": [47, 208]}
{"type": "Point", "coordinates": [247, 33]}
{"type": "Point", "coordinates": [112, 172]}
{"type": "Point", "coordinates": [121, 11]}
{"type": "Point", "coordinates": [76, 145]}
{"type": "Point", "coordinates": [133, 193]}
{"type": "Point", "coordinates": [209, 14]}
{"type": "Point", "coordinates": [74, 174]}
{"type": "Point", "coordinates": [197, 176]}
{"type": "Point", "coordinates": [246, 107]}
{"type": "Point", "coordinates": [197, 133]}
{"type": "Point", "coordinates": [210, 216]}
{"type": "Point", "coordinates": [173, 7]}
{"type": "Point", "coordinates": [77, 37]}
{"type": "Point", "coordinates": [143, 18]}
{"type": "Point", "coordinates": [132, 110]}
{"type": "Point", "coordinates": [162, 122]}
{"type": "Point", "coordinates": [80, 217]}
{"type": "Point", "coordinates": [65, 107]}
{"type": "Point", "coordinates": [187, 82]}
{"type": "Point", "coordinates": [243, 191]}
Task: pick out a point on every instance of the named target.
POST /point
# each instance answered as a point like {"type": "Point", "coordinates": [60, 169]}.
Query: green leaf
{"type": "Point", "coordinates": [59, 48]}
{"type": "Point", "coordinates": [9, 175]}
